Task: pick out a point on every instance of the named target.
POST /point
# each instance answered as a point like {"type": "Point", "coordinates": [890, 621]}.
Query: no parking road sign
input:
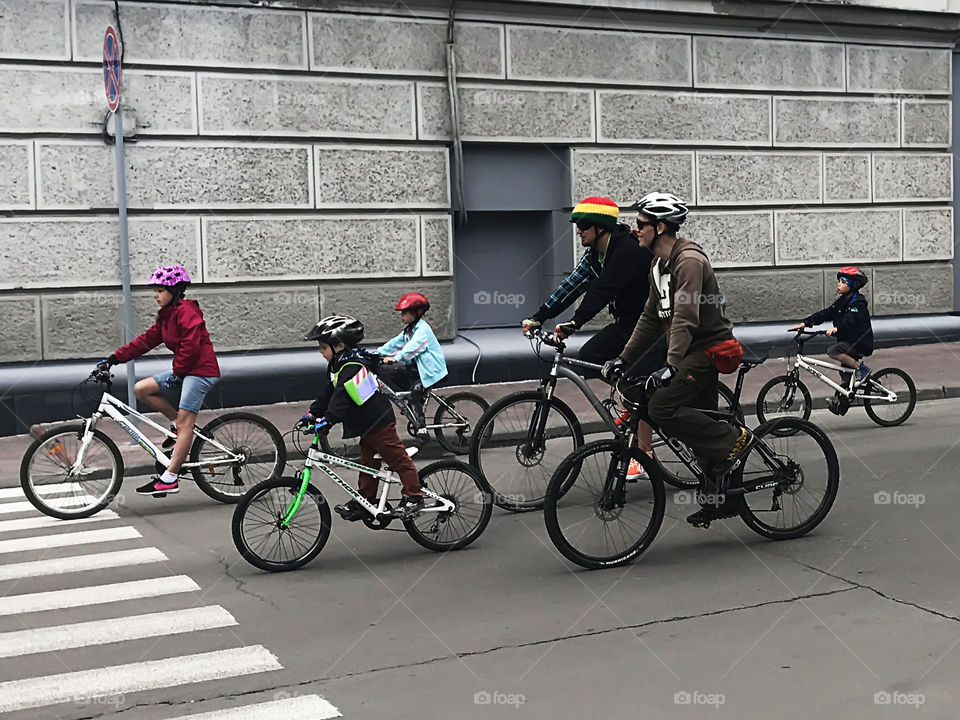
{"type": "Point", "coordinates": [111, 67]}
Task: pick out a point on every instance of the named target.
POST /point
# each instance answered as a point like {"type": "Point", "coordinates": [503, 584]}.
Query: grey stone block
{"type": "Point", "coordinates": [750, 299]}
{"type": "Point", "coordinates": [507, 113]}
{"type": "Point", "coordinates": [886, 69]}
{"type": "Point", "coordinates": [846, 177]}
{"type": "Point", "coordinates": [806, 237]}
{"type": "Point", "coordinates": [90, 323]}
{"type": "Point", "coordinates": [374, 176]}
{"type": "Point", "coordinates": [436, 232]}
{"type": "Point", "coordinates": [927, 123]}
{"type": "Point", "coordinates": [310, 247]}
{"type": "Point", "coordinates": [928, 233]}
{"type": "Point", "coordinates": [403, 46]}
{"type": "Point", "coordinates": [626, 175]}
{"type": "Point", "coordinates": [16, 175]}
{"type": "Point", "coordinates": [167, 175]}
{"type": "Point", "coordinates": [72, 100]}
{"type": "Point", "coordinates": [373, 304]}
{"type": "Point", "coordinates": [597, 56]}
{"type": "Point", "coordinates": [847, 122]}
{"type": "Point", "coordinates": [286, 106]}
{"type": "Point", "coordinates": [733, 239]}
{"type": "Point", "coordinates": [36, 30]}
{"type": "Point", "coordinates": [761, 64]}
{"type": "Point", "coordinates": [912, 176]}
{"type": "Point", "coordinates": [58, 252]}
{"type": "Point", "coordinates": [20, 340]}
{"type": "Point", "coordinates": [913, 288]}
{"type": "Point", "coordinates": [683, 118]}
{"type": "Point", "coordinates": [166, 34]}
{"type": "Point", "coordinates": [742, 178]}
{"type": "Point", "coordinates": [830, 294]}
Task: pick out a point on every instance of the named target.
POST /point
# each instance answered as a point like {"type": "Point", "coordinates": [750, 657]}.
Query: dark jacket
{"type": "Point", "coordinates": [179, 326]}
{"type": "Point", "coordinates": [852, 319]}
{"type": "Point", "coordinates": [337, 406]}
{"type": "Point", "coordinates": [619, 280]}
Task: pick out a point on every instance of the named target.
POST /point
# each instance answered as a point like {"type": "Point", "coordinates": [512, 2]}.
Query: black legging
{"type": "Point", "coordinates": [609, 342]}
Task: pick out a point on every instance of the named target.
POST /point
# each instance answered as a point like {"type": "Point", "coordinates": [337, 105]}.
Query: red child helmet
{"type": "Point", "coordinates": [852, 271]}
{"type": "Point", "coordinates": [417, 302]}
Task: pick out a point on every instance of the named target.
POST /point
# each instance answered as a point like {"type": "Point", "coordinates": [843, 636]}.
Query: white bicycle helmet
{"type": "Point", "coordinates": [664, 207]}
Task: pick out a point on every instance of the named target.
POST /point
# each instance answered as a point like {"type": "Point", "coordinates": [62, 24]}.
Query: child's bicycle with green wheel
{"type": "Point", "coordinates": [283, 523]}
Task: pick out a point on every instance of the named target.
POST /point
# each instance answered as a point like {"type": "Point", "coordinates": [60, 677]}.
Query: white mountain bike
{"type": "Point", "coordinates": [75, 470]}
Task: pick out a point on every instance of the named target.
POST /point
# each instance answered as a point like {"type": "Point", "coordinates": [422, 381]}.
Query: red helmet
{"type": "Point", "coordinates": [414, 301]}
{"type": "Point", "coordinates": [852, 271]}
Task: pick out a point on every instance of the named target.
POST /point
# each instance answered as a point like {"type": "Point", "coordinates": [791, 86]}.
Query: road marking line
{"type": "Point", "coordinates": [96, 594]}
{"type": "Point", "coordinates": [68, 539]}
{"type": "Point", "coordinates": [81, 563]}
{"type": "Point", "coordinates": [114, 630]}
{"type": "Point", "coordinates": [51, 489]}
{"type": "Point", "coordinates": [31, 523]}
{"type": "Point", "coordinates": [312, 707]}
{"type": "Point", "coordinates": [86, 686]}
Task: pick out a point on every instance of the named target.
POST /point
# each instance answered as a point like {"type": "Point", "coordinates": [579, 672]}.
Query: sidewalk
{"type": "Point", "coordinates": [935, 370]}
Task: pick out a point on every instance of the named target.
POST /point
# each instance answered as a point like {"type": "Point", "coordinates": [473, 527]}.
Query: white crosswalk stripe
{"type": "Point", "coordinates": [309, 707]}
{"type": "Point", "coordinates": [51, 489]}
{"type": "Point", "coordinates": [96, 594]}
{"type": "Point", "coordinates": [86, 537]}
{"type": "Point", "coordinates": [81, 563]}
{"type": "Point", "coordinates": [43, 521]}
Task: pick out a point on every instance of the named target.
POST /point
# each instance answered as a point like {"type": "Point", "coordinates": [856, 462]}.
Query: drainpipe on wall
{"type": "Point", "coordinates": [458, 203]}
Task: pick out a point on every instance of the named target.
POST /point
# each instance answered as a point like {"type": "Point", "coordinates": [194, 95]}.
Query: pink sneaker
{"type": "Point", "coordinates": [158, 488]}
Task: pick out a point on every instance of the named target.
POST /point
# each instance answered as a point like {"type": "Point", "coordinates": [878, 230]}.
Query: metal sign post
{"type": "Point", "coordinates": [111, 83]}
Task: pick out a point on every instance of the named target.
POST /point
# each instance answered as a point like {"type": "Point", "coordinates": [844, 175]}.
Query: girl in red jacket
{"type": "Point", "coordinates": [181, 328]}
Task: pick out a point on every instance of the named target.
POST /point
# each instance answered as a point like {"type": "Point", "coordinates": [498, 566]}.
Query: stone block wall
{"type": "Point", "coordinates": [298, 164]}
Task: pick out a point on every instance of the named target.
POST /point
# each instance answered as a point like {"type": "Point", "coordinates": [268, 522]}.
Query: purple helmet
{"type": "Point", "coordinates": [169, 275]}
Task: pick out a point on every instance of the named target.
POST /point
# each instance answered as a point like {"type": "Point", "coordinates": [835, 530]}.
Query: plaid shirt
{"type": "Point", "coordinates": [572, 286]}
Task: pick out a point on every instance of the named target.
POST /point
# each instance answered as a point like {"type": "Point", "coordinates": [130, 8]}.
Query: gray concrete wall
{"type": "Point", "coordinates": [297, 161]}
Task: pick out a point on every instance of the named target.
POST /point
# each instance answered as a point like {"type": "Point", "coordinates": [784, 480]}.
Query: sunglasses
{"type": "Point", "coordinates": [641, 225]}
{"type": "Point", "coordinates": [584, 225]}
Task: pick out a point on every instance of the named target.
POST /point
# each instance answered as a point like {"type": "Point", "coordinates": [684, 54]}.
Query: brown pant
{"type": "Point", "coordinates": [386, 442]}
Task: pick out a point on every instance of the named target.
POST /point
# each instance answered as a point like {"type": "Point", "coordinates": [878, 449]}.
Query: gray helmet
{"type": "Point", "coordinates": [337, 328]}
{"type": "Point", "coordinates": [663, 207]}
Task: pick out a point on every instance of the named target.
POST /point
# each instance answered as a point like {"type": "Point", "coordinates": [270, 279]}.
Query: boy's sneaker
{"type": "Point", "coordinates": [409, 506]}
{"type": "Point", "coordinates": [708, 513]}
{"type": "Point", "coordinates": [158, 488]}
{"type": "Point", "coordinates": [351, 510]}
{"type": "Point", "coordinates": [741, 447]}
{"type": "Point", "coordinates": [169, 442]}
{"type": "Point", "coordinates": [861, 372]}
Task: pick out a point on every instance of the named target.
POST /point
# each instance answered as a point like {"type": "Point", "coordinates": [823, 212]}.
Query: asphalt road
{"type": "Point", "coordinates": [861, 619]}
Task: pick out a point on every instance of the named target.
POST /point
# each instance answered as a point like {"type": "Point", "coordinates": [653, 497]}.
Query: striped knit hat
{"type": "Point", "coordinates": [599, 211]}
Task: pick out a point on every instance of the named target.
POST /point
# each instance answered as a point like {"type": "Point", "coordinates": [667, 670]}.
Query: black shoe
{"type": "Point", "coordinates": [719, 470]}
{"type": "Point", "coordinates": [838, 405]}
{"type": "Point", "coordinates": [169, 442]}
{"type": "Point", "coordinates": [351, 510]}
{"type": "Point", "coordinates": [409, 506]}
{"type": "Point", "coordinates": [158, 488]}
{"type": "Point", "coordinates": [708, 513]}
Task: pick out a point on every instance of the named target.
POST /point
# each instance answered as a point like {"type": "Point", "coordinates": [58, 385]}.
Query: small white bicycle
{"type": "Point", "coordinates": [888, 395]}
{"type": "Point", "coordinates": [75, 470]}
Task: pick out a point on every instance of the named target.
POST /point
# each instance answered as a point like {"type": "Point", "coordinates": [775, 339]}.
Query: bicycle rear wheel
{"type": "Point", "coordinates": [45, 473]}
{"type": "Point", "coordinates": [518, 467]}
{"type": "Point", "coordinates": [884, 412]}
{"type": "Point", "coordinates": [594, 519]}
{"type": "Point", "coordinates": [465, 487]}
{"type": "Point", "coordinates": [467, 405]}
{"type": "Point", "coordinates": [261, 539]}
{"type": "Point", "coordinates": [255, 439]}
{"type": "Point", "coordinates": [799, 458]}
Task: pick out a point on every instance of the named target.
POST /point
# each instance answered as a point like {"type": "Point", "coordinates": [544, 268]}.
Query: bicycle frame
{"type": "Point", "coordinates": [400, 400]}
{"type": "Point", "coordinates": [811, 364]}
{"type": "Point", "coordinates": [321, 460]}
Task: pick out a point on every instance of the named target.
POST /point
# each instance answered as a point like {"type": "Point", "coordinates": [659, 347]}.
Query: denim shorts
{"type": "Point", "coordinates": [188, 394]}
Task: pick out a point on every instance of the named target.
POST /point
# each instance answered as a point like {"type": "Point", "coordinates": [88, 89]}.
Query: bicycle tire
{"type": "Point", "coordinates": [764, 409]}
{"type": "Point", "coordinates": [574, 498]}
{"type": "Point", "coordinates": [769, 434]}
{"type": "Point", "coordinates": [256, 500]}
{"type": "Point", "coordinates": [496, 471]}
{"type": "Point", "coordinates": [457, 440]}
{"type": "Point", "coordinates": [465, 486]}
{"type": "Point", "coordinates": [42, 500]}
{"type": "Point", "coordinates": [228, 483]}
{"type": "Point", "coordinates": [868, 405]}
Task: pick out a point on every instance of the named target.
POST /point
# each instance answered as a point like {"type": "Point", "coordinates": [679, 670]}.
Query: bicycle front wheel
{"type": "Point", "coordinates": [515, 459]}
{"type": "Point", "coordinates": [800, 462]}
{"type": "Point", "coordinates": [889, 413]}
{"type": "Point", "coordinates": [51, 487]}
{"type": "Point", "coordinates": [262, 452]}
{"type": "Point", "coordinates": [783, 396]}
{"type": "Point", "coordinates": [260, 536]}
{"type": "Point", "coordinates": [473, 505]}
{"type": "Point", "coordinates": [470, 407]}
{"type": "Point", "coordinates": [596, 520]}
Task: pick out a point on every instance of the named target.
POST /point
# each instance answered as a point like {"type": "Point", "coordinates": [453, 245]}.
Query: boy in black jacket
{"type": "Point", "coordinates": [851, 320]}
{"type": "Point", "coordinates": [349, 395]}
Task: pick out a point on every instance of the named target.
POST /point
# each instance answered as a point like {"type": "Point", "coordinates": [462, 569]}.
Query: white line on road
{"type": "Point", "coordinates": [31, 523]}
{"type": "Point", "coordinates": [96, 594]}
{"type": "Point", "coordinates": [51, 489]}
{"type": "Point", "coordinates": [65, 503]}
{"type": "Point", "coordinates": [86, 686]}
{"type": "Point", "coordinates": [309, 707]}
{"type": "Point", "coordinates": [68, 539]}
{"type": "Point", "coordinates": [80, 563]}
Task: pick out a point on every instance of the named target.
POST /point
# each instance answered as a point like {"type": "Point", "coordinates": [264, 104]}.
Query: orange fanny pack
{"type": "Point", "coordinates": [726, 355]}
